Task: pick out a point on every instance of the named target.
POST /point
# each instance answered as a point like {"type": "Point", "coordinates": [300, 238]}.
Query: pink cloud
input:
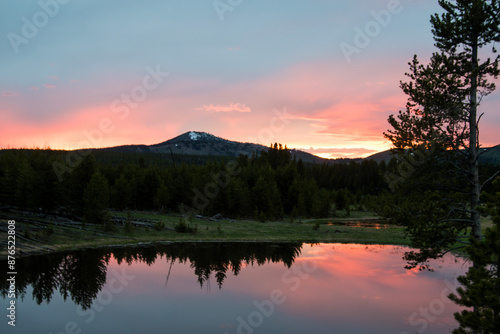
{"type": "Point", "coordinates": [322, 104]}
{"type": "Point", "coordinates": [232, 107]}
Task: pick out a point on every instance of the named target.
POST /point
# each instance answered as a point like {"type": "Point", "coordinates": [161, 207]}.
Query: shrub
{"type": "Point", "coordinates": [183, 227]}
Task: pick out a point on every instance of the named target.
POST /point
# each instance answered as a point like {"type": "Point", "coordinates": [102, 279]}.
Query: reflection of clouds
{"type": "Point", "coordinates": [339, 288]}
{"type": "Point", "coordinates": [370, 279]}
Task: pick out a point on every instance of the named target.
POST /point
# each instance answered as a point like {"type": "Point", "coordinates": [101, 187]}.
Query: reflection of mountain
{"type": "Point", "coordinates": [81, 275]}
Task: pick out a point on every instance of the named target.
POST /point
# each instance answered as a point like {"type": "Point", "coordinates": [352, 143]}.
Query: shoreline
{"type": "Point", "coordinates": [3, 257]}
{"type": "Point", "coordinates": [38, 234]}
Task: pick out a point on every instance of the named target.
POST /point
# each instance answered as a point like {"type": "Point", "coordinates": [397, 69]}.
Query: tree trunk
{"type": "Point", "coordinates": [474, 147]}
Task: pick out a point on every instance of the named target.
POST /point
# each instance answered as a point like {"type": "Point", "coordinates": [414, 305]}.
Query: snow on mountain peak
{"type": "Point", "coordinates": [194, 136]}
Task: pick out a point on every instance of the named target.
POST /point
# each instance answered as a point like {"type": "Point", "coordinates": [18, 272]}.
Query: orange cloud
{"type": "Point", "coordinates": [335, 152]}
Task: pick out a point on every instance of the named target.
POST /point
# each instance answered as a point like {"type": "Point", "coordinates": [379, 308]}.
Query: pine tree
{"type": "Point", "coordinates": [437, 141]}
{"type": "Point", "coordinates": [121, 194]}
{"type": "Point", "coordinates": [96, 199]}
{"type": "Point", "coordinates": [481, 284]}
{"type": "Point", "coordinates": [436, 137]}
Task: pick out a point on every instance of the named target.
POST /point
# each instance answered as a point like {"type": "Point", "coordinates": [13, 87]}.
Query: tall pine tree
{"type": "Point", "coordinates": [437, 138]}
{"type": "Point", "coordinates": [439, 128]}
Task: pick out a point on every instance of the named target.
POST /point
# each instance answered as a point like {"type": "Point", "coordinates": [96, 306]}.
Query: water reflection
{"type": "Point", "coordinates": [82, 274]}
{"type": "Point", "coordinates": [262, 288]}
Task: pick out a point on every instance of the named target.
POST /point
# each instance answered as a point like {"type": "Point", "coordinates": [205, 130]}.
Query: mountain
{"type": "Point", "coordinates": [194, 143]}
{"type": "Point", "coordinates": [380, 156]}
{"type": "Point", "coordinates": [202, 143]}
{"type": "Point", "coordinates": [489, 155]}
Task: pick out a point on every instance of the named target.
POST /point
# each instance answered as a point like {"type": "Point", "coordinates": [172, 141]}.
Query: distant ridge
{"type": "Point", "coordinates": [380, 156]}
{"type": "Point", "coordinates": [206, 144]}
{"type": "Point", "coordinates": [489, 155]}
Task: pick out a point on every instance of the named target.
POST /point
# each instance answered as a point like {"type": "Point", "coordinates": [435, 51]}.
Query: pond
{"type": "Point", "coordinates": [232, 288]}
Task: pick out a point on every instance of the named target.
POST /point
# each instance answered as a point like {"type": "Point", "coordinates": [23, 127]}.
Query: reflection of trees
{"type": "Point", "coordinates": [217, 258]}
{"type": "Point", "coordinates": [81, 275]}
{"type": "Point", "coordinates": [220, 258]}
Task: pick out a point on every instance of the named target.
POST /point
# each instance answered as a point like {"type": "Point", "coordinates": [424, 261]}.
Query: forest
{"type": "Point", "coordinates": [268, 185]}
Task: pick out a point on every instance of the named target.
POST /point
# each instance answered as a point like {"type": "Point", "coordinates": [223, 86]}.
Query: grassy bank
{"type": "Point", "coordinates": [40, 233]}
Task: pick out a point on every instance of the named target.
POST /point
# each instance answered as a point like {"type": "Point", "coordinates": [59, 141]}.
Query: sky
{"type": "Point", "coordinates": [318, 75]}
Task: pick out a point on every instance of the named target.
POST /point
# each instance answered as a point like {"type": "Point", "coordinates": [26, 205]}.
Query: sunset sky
{"type": "Point", "coordinates": [319, 75]}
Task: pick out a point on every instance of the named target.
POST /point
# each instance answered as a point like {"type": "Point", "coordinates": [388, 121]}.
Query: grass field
{"type": "Point", "coordinates": [42, 234]}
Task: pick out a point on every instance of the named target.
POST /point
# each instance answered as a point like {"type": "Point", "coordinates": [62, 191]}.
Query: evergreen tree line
{"type": "Point", "coordinates": [270, 185]}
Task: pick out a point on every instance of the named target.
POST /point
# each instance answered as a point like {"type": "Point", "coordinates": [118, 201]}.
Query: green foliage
{"type": "Point", "coordinates": [481, 287]}
{"type": "Point", "coordinates": [96, 199]}
{"type": "Point", "coordinates": [162, 197]}
{"type": "Point", "coordinates": [435, 138]}
{"type": "Point", "coordinates": [439, 200]}
{"type": "Point", "coordinates": [160, 226]}
{"type": "Point", "coordinates": [48, 231]}
{"type": "Point", "coordinates": [480, 290]}
{"type": "Point", "coordinates": [183, 227]}
{"type": "Point", "coordinates": [77, 181]}
{"type": "Point", "coordinates": [269, 186]}
{"type": "Point", "coordinates": [121, 194]}
{"type": "Point", "coordinates": [129, 227]}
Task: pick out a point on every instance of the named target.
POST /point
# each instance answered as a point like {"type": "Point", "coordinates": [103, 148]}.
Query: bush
{"type": "Point", "coordinates": [159, 226]}
{"type": "Point", "coordinates": [183, 227]}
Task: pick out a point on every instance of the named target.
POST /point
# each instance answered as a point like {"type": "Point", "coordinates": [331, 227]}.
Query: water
{"type": "Point", "coordinates": [232, 288]}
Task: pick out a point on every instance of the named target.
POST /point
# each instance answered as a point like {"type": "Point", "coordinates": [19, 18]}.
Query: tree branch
{"type": "Point", "coordinates": [450, 250]}
{"type": "Point", "coordinates": [489, 179]}
{"type": "Point", "coordinates": [456, 220]}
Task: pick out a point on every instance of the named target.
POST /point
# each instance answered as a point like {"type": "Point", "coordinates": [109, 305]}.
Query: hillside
{"type": "Point", "coordinates": [194, 143]}
{"type": "Point", "coordinates": [490, 155]}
